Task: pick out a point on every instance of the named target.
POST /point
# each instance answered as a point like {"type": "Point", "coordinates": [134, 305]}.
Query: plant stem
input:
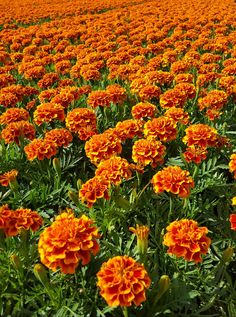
{"type": "Point", "coordinates": [125, 311]}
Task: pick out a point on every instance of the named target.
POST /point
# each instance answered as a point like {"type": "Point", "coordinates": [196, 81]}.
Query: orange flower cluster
{"type": "Point", "coordinates": [14, 221]}
{"type": "Point", "coordinates": [146, 152]}
{"type": "Point", "coordinates": [48, 112]}
{"type": "Point", "coordinates": [82, 121]}
{"type": "Point", "coordinates": [40, 149]}
{"type": "Point", "coordinates": [61, 137]}
{"type": "Point", "coordinates": [214, 101]}
{"type": "Point", "coordinates": [8, 177]}
{"type": "Point", "coordinates": [16, 130]}
{"type": "Point", "coordinates": [232, 164]}
{"type": "Point", "coordinates": [184, 238]}
{"type": "Point", "coordinates": [143, 110]}
{"type": "Point", "coordinates": [162, 128]}
{"type": "Point", "coordinates": [67, 242]}
{"type": "Point", "coordinates": [128, 129]}
{"type": "Point", "coordinates": [200, 135]}
{"type": "Point", "coordinates": [123, 282]}
{"type": "Point", "coordinates": [95, 188]}
{"type": "Point", "coordinates": [173, 179]}
{"type": "Point", "coordinates": [102, 147]}
{"type": "Point", "coordinates": [178, 115]}
{"type": "Point", "coordinates": [114, 169]}
{"type": "Point", "coordinates": [195, 154]}
{"type": "Point", "coordinates": [13, 115]}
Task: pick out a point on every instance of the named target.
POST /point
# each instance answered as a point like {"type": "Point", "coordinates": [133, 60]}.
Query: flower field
{"type": "Point", "coordinates": [117, 158]}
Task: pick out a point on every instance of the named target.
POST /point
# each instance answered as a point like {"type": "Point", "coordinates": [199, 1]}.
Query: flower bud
{"type": "Point", "coordinates": [57, 166]}
{"type": "Point", "coordinates": [73, 196]}
{"type": "Point", "coordinates": [163, 285]}
{"type": "Point", "coordinates": [79, 183]}
{"type": "Point", "coordinates": [16, 262]}
{"type": "Point", "coordinates": [41, 274]}
{"type": "Point", "coordinates": [141, 233]}
{"type": "Point", "coordinates": [227, 255]}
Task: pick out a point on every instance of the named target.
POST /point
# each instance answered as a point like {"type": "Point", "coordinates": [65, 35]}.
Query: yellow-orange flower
{"type": "Point", "coordinates": [61, 137]}
{"type": "Point", "coordinates": [99, 98]}
{"type": "Point", "coordinates": [200, 135]}
{"type": "Point", "coordinates": [13, 115]}
{"type": "Point", "coordinates": [146, 152]}
{"type": "Point", "coordinates": [67, 242]}
{"type": "Point", "coordinates": [13, 221]}
{"type": "Point", "coordinates": [123, 281]}
{"type": "Point", "coordinates": [128, 129]}
{"type": "Point", "coordinates": [186, 239]}
{"type": "Point", "coordinates": [102, 146]}
{"type": "Point", "coordinates": [178, 115]}
{"type": "Point", "coordinates": [234, 201]}
{"type": "Point", "coordinates": [114, 169]}
{"type": "Point", "coordinates": [48, 112]}
{"type": "Point", "coordinates": [143, 110]}
{"type": "Point", "coordinates": [93, 189]}
{"type": "Point", "coordinates": [162, 128]}
{"type": "Point", "coordinates": [40, 149]}
{"type": "Point", "coordinates": [173, 179]}
{"type": "Point", "coordinates": [8, 177]}
{"type": "Point", "coordinates": [232, 164]}
{"type": "Point", "coordinates": [195, 154]}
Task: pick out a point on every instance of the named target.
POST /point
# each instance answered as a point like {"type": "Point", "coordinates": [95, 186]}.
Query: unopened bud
{"type": "Point", "coordinates": [79, 184]}
{"type": "Point", "coordinates": [41, 273]}
{"type": "Point", "coordinates": [163, 285]}
{"type": "Point", "coordinates": [227, 255]}
{"type": "Point", "coordinates": [16, 262]}
{"type": "Point", "coordinates": [57, 166]}
{"type": "Point", "coordinates": [73, 196]}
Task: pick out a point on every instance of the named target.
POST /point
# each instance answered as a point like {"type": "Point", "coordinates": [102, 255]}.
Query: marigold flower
{"type": "Point", "coordinates": [13, 115]}
{"type": "Point", "coordinates": [93, 189]}
{"type": "Point", "coordinates": [141, 233]}
{"type": "Point", "coordinates": [173, 179]}
{"type": "Point", "coordinates": [233, 221]}
{"type": "Point", "coordinates": [149, 92]}
{"type": "Point", "coordinates": [162, 128]}
{"type": "Point", "coordinates": [173, 98]}
{"type": "Point", "coordinates": [195, 154]}
{"type": "Point", "coordinates": [98, 98]}
{"type": "Point", "coordinates": [178, 115]}
{"type": "Point", "coordinates": [61, 137]}
{"type": "Point", "coordinates": [186, 239]}
{"type": "Point", "coordinates": [232, 164]}
{"type": "Point", "coordinates": [40, 149]}
{"type": "Point", "coordinates": [123, 281]}
{"type": "Point", "coordinates": [144, 110]}
{"type": "Point", "coordinates": [102, 146]}
{"type": "Point", "coordinates": [114, 169]}
{"type": "Point", "coordinates": [146, 152]}
{"type": "Point", "coordinates": [117, 94]}
{"type": "Point", "coordinates": [234, 201]}
{"type": "Point", "coordinates": [67, 242]}
{"type": "Point", "coordinates": [8, 177]}
{"type": "Point", "coordinates": [214, 100]}
{"type": "Point", "coordinates": [128, 129]}
{"type": "Point", "coordinates": [13, 221]}
{"type": "Point", "coordinates": [15, 130]}
{"type": "Point", "coordinates": [82, 121]}
{"type": "Point", "coordinates": [200, 135]}
{"type": "Point", "coordinates": [48, 112]}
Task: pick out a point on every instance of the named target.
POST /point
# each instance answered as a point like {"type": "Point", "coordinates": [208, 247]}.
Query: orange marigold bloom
{"type": "Point", "coordinates": [114, 169]}
{"type": "Point", "coordinates": [102, 146]}
{"type": "Point", "coordinates": [48, 112]}
{"type": "Point", "coordinates": [162, 128]}
{"type": "Point", "coordinates": [61, 137]}
{"type": "Point", "coordinates": [214, 100]}
{"type": "Point", "coordinates": [8, 177]}
{"type": "Point", "coordinates": [93, 189]}
{"type": "Point", "coordinates": [200, 135]}
{"type": "Point", "coordinates": [233, 221]}
{"type": "Point", "coordinates": [67, 242]}
{"type": "Point", "coordinates": [184, 78]}
{"type": "Point", "coordinates": [187, 89]}
{"type": "Point", "coordinates": [195, 154]}
{"type": "Point", "coordinates": [173, 98]}
{"type": "Point", "coordinates": [186, 239]}
{"type": "Point", "coordinates": [146, 152]}
{"type": "Point", "coordinates": [149, 92]}
{"type": "Point", "coordinates": [123, 281]}
{"type": "Point", "coordinates": [128, 129]}
{"type": "Point", "coordinates": [117, 94]}
{"type": "Point", "coordinates": [15, 130]}
{"type": "Point", "coordinates": [232, 164]}
{"type": "Point", "coordinates": [40, 149]}
{"type": "Point", "coordinates": [173, 179]}
{"type": "Point", "coordinates": [13, 115]}
{"type": "Point", "coordinates": [144, 110]}
{"type": "Point", "coordinates": [177, 114]}
{"type": "Point", "coordinates": [99, 98]}
{"type": "Point", "coordinates": [82, 121]}
{"type": "Point", "coordinates": [13, 221]}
